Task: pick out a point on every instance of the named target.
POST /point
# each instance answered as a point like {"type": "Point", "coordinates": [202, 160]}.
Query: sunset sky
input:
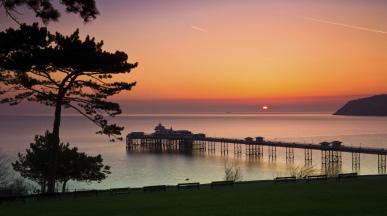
{"type": "Point", "coordinates": [237, 55]}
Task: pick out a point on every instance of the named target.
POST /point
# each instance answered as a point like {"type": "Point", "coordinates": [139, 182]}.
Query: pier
{"type": "Point", "coordinates": [184, 141]}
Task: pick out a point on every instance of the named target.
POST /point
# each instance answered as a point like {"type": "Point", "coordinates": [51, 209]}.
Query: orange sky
{"type": "Point", "coordinates": [245, 49]}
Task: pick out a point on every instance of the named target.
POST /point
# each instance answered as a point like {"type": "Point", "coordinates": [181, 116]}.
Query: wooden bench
{"type": "Point", "coordinates": [222, 184]}
{"type": "Point", "coordinates": [5, 195]}
{"type": "Point", "coordinates": [48, 196]}
{"type": "Point", "coordinates": [346, 175]}
{"type": "Point", "coordinates": [85, 193]}
{"type": "Point", "coordinates": [5, 192]}
{"type": "Point", "coordinates": [195, 185]}
{"type": "Point", "coordinates": [317, 178]}
{"type": "Point", "coordinates": [285, 179]}
{"type": "Point", "coordinates": [12, 198]}
{"type": "Point", "coordinates": [120, 191]}
{"type": "Point", "coordinates": [155, 188]}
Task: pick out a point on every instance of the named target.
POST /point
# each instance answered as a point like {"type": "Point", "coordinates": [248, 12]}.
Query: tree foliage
{"type": "Point", "coordinates": [34, 164]}
{"type": "Point", "coordinates": [58, 70]}
{"type": "Point", "coordinates": [47, 11]}
{"type": "Point", "coordinates": [72, 165]}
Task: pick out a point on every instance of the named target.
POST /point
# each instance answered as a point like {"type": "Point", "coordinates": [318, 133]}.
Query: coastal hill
{"type": "Point", "coordinates": [370, 106]}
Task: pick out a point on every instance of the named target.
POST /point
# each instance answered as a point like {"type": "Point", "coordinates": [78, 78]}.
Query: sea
{"type": "Point", "coordinates": [136, 169]}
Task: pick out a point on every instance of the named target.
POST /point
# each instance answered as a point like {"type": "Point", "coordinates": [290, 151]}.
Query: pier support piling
{"type": "Point", "coordinates": [381, 163]}
{"type": "Point", "coordinates": [272, 153]}
{"type": "Point", "coordinates": [355, 162]}
{"type": "Point", "coordinates": [260, 151]}
{"type": "Point", "coordinates": [237, 149]}
{"type": "Point", "coordinates": [249, 150]}
{"type": "Point", "coordinates": [254, 151]}
{"type": "Point", "coordinates": [308, 157]}
{"type": "Point", "coordinates": [289, 155]}
{"type": "Point", "coordinates": [331, 161]}
{"type": "Point", "coordinates": [211, 147]}
{"type": "Point", "coordinates": [224, 148]}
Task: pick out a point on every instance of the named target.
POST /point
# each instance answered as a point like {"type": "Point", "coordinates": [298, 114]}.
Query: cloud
{"type": "Point", "coordinates": [198, 29]}
{"type": "Point", "coordinates": [361, 28]}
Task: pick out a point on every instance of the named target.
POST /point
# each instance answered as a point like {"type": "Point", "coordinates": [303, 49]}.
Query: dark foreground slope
{"type": "Point", "coordinates": [370, 106]}
{"type": "Point", "coordinates": [345, 197]}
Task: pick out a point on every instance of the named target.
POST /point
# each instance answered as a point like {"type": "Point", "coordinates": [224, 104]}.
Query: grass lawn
{"type": "Point", "coordinates": [348, 197]}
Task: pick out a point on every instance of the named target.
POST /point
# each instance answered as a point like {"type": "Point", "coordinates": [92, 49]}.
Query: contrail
{"type": "Point", "coordinates": [345, 25]}
{"type": "Point", "coordinates": [198, 29]}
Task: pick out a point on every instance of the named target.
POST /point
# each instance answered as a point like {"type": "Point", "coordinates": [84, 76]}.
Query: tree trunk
{"type": "Point", "coordinates": [54, 146]}
{"type": "Point", "coordinates": [64, 186]}
{"type": "Point", "coordinates": [43, 186]}
{"type": "Point", "coordinates": [54, 140]}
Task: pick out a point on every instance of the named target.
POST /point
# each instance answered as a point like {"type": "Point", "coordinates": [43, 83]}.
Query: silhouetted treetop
{"type": "Point", "coordinates": [46, 10]}
{"type": "Point", "coordinates": [34, 47]}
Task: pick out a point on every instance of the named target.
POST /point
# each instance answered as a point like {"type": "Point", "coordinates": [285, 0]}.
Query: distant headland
{"type": "Point", "coordinates": [370, 106]}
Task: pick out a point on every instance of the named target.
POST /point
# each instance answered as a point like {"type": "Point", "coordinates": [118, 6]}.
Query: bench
{"type": "Point", "coordinates": [317, 178]}
{"type": "Point", "coordinates": [85, 193]}
{"type": "Point", "coordinates": [195, 185]}
{"type": "Point", "coordinates": [285, 179]}
{"type": "Point", "coordinates": [119, 191]}
{"type": "Point", "coordinates": [222, 184]}
{"type": "Point", "coordinates": [48, 196]}
{"type": "Point", "coordinates": [5, 192]}
{"type": "Point", "coordinates": [346, 175]}
{"type": "Point", "coordinates": [4, 199]}
{"type": "Point", "coordinates": [5, 195]}
{"type": "Point", "coordinates": [155, 188]}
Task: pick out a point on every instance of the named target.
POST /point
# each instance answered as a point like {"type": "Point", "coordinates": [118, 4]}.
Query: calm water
{"type": "Point", "coordinates": [139, 169]}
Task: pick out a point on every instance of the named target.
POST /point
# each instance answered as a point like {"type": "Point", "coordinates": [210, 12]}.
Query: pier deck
{"type": "Point", "coordinates": [170, 140]}
{"type": "Point", "coordinates": [341, 148]}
